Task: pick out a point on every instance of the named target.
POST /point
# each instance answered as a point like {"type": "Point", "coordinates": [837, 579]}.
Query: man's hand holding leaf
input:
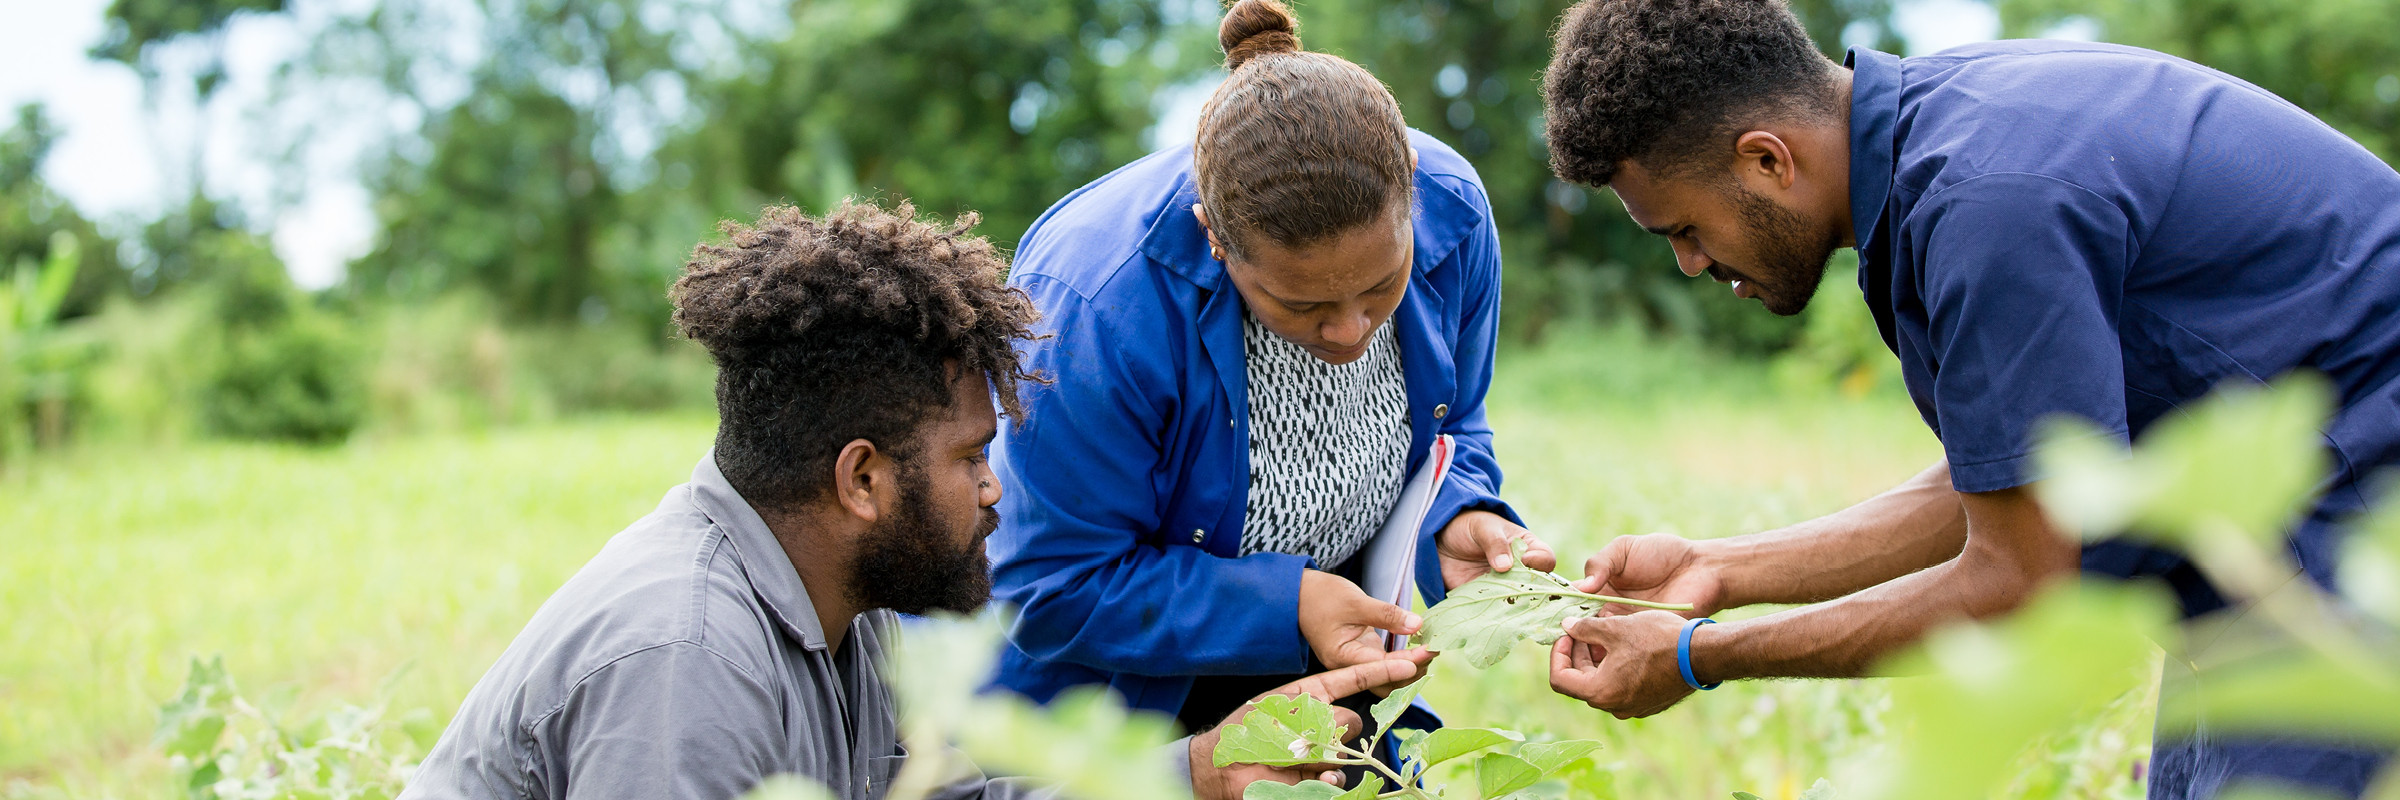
{"type": "Point", "coordinates": [1624, 665]}
{"type": "Point", "coordinates": [1658, 567]}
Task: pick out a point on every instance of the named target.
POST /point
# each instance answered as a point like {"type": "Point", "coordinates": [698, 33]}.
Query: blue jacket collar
{"type": "Point", "coordinates": [1442, 219]}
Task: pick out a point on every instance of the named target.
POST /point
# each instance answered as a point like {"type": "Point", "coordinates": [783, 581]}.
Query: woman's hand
{"type": "Point", "coordinates": [1341, 622]}
{"type": "Point", "coordinates": [1476, 542]}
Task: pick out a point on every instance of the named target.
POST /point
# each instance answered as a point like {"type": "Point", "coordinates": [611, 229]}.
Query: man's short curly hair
{"type": "Point", "coordinates": [1670, 83]}
{"type": "Point", "coordinates": [841, 328]}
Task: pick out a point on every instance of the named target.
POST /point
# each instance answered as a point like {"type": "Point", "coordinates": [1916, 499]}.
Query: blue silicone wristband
{"type": "Point", "coordinates": [1683, 653]}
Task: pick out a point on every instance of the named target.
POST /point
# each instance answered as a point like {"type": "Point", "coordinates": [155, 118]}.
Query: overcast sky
{"type": "Point", "coordinates": [112, 168]}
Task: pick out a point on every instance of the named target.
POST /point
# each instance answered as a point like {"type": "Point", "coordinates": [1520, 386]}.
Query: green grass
{"type": "Point", "coordinates": [320, 573]}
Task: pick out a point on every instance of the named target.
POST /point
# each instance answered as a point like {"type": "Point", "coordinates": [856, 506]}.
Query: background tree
{"type": "Point", "coordinates": [2336, 58]}
{"type": "Point", "coordinates": [32, 214]}
{"type": "Point", "coordinates": [1469, 72]}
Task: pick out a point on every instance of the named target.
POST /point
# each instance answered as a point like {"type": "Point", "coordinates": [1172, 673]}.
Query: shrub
{"type": "Point", "coordinates": [296, 381]}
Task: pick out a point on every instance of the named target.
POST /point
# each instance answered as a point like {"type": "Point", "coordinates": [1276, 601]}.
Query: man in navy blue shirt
{"type": "Point", "coordinates": [2043, 228]}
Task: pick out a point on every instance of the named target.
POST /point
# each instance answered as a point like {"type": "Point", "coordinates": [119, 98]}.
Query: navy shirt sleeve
{"type": "Point", "coordinates": [2021, 277]}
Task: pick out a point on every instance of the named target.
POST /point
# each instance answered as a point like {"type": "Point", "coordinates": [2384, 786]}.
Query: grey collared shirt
{"type": "Point", "coordinates": [684, 661]}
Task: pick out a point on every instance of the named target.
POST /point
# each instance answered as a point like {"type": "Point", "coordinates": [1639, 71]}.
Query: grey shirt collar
{"type": "Point", "coordinates": [772, 575]}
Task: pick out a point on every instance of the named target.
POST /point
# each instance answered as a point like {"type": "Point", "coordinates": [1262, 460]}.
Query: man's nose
{"type": "Point", "coordinates": [989, 494]}
{"type": "Point", "coordinates": [1691, 260]}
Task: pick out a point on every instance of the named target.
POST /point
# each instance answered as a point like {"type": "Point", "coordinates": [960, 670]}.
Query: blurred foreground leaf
{"type": "Point", "coordinates": [788, 787]}
{"type": "Point", "coordinates": [2241, 462]}
{"type": "Point", "coordinates": [1990, 691]}
{"type": "Point", "coordinates": [1085, 741]}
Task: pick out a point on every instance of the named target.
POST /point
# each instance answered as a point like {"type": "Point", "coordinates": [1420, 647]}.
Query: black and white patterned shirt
{"type": "Point", "coordinates": [1328, 445]}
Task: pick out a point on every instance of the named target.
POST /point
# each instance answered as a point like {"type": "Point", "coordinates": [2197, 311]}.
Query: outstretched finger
{"type": "Point", "coordinates": [1336, 684]}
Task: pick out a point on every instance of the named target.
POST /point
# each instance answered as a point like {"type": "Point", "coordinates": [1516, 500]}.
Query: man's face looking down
{"type": "Point", "coordinates": [928, 555]}
{"type": "Point", "coordinates": [1741, 229]}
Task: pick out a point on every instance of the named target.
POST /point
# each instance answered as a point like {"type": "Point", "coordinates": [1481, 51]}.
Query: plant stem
{"type": "Point", "coordinates": [1358, 758]}
{"type": "Point", "coordinates": [1612, 599]}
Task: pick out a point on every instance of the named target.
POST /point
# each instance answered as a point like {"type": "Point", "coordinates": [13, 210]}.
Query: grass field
{"type": "Point", "coordinates": [323, 574]}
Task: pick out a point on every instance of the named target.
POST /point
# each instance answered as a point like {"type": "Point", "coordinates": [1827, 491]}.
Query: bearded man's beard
{"type": "Point", "coordinates": [911, 562]}
{"type": "Point", "coordinates": [1790, 263]}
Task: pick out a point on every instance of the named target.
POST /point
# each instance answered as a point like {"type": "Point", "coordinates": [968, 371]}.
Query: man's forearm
{"type": "Point", "coordinates": [1844, 638]}
{"type": "Point", "coordinates": [1915, 525]}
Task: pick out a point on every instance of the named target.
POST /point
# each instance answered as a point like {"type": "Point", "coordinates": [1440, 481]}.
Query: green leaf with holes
{"type": "Point", "coordinates": [1279, 731]}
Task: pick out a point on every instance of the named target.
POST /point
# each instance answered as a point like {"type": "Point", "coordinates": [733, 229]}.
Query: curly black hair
{"type": "Point", "coordinates": [845, 327]}
{"type": "Point", "coordinates": [1670, 83]}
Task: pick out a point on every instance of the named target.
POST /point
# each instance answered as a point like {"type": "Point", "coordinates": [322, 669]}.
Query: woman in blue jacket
{"type": "Point", "coordinates": [1253, 342]}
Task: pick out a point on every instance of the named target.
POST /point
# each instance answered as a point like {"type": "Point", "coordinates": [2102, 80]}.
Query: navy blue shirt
{"type": "Point", "coordinates": [2073, 228]}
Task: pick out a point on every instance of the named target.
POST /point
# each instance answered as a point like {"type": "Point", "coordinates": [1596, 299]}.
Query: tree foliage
{"type": "Point", "coordinates": [1469, 72]}
{"type": "Point", "coordinates": [32, 215]}
{"type": "Point", "coordinates": [595, 140]}
{"type": "Point", "coordinates": [2336, 58]}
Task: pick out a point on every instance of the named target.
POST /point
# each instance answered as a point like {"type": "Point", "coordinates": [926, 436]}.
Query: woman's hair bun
{"type": "Point", "coordinates": [1254, 28]}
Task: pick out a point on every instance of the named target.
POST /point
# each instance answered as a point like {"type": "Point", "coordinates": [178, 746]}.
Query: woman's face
{"type": "Point", "coordinates": [1328, 297]}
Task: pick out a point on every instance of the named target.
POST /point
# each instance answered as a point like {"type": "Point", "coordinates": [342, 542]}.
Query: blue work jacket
{"type": "Point", "coordinates": [1126, 482]}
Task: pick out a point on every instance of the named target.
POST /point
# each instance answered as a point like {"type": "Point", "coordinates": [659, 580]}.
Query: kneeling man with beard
{"type": "Point", "coordinates": [737, 632]}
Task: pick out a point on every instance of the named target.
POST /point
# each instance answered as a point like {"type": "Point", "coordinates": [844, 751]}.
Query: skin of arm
{"type": "Point", "coordinates": [1915, 525]}
{"type": "Point", "coordinates": [1626, 664]}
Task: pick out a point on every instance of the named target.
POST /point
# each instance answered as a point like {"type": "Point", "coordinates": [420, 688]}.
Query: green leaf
{"type": "Point", "coordinates": [1411, 751]}
{"type": "Point", "coordinates": [1983, 693]}
{"type": "Point", "coordinates": [1389, 709]}
{"type": "Point", "coordinates": [2091, 485]}
{"type": "Point", "coordinates": [1481, 620]}
{"type": "Point", "coordinates": [787, 787]}
{"type": "Point", "coordinates": [1449, 743]}
{"type": "Point", "coordinates": [1745, 796]}
{"type": "Point", "coordinates": [1497, 774]}
{"type": "Point", "coordinates": [2370, 569]}
{"type": "Point", "coordinates": [1086, 741]}
{"type": "Point", "coordinates": [1279, 731]}
{"type": "Point", "coordinates": [1549, 757]}
{"type": "Point", "coordinates": [1368, 787]}
{"type": "Point", "coordinates": [57, 277]}
{"type": "Point", "coordinates": [935, 670]}
{"type": "Point", "coordinates": [1304, 790]}
{"type": "Point", "coordinates": [190, 724]}
{"type": "Point", "coordinates": [2245, 458]}
{"type": "Point", "coordinates": [1589, 782]}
